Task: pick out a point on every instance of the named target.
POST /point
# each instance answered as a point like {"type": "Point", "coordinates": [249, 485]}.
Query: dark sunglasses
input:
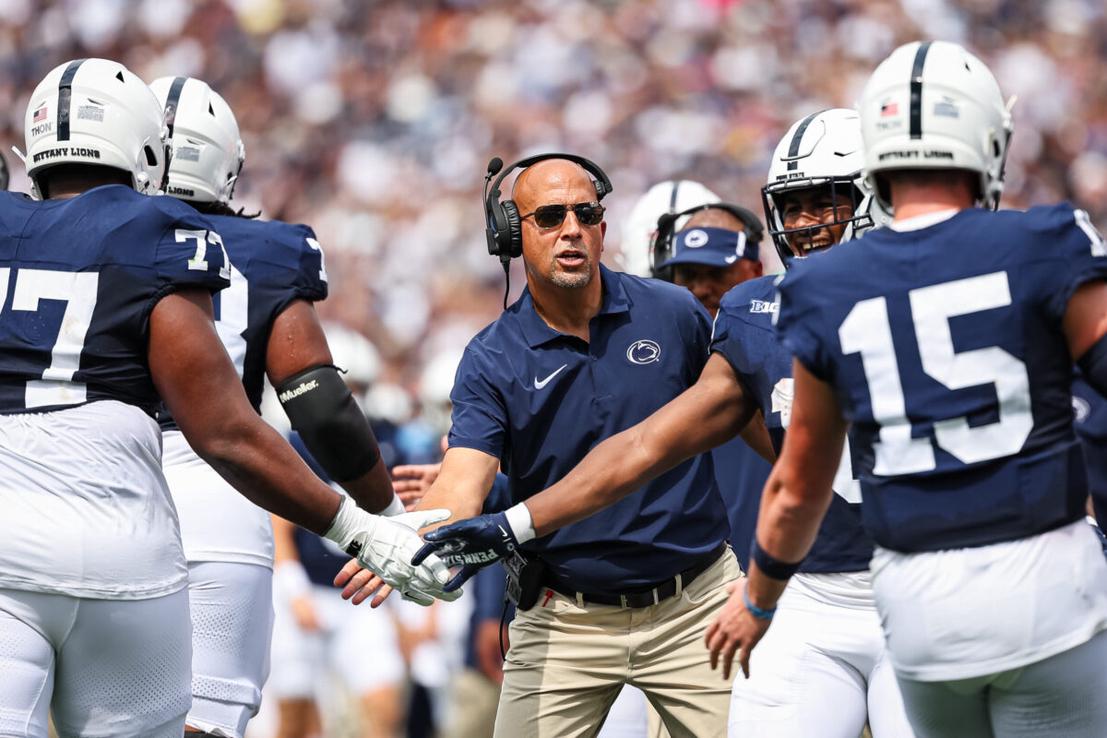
{"type": "Point", "coordinates": [550, 216]}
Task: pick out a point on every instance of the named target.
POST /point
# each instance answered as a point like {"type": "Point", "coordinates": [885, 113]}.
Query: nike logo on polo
{"type": "Point", "coordinates": [540, 383]}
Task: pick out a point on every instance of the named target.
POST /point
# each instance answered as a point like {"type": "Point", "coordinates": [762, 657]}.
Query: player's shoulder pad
{"type": "Point", "coordinates": [1065, 228]}
{"type": "Point", "coordinates": [753, 301]}
{"type": "Point", "coordinates": [289, 251]}
{"type": "Point", "coordinates": [173, 212]}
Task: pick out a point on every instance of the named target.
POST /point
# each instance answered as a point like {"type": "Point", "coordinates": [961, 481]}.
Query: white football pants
{"type": "Point", "coordinates": [821, 668]}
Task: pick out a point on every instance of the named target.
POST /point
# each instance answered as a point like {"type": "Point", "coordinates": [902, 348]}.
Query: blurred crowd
{"type": "Point", "coordinates": [373, 121]}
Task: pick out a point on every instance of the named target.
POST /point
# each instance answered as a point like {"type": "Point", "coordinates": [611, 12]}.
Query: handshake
{"type": "Point", "coordinates": [390, 549]}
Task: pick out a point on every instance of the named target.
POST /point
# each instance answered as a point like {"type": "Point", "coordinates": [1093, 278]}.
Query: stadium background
{"type": "Point", "coordinates": [373, 121]}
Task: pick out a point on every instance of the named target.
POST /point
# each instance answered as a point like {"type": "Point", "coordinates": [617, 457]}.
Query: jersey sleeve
{"type": "Point", "coordinates": [190, 252]}
{"type": "Point", "coordinates": [310, 282]}
{"type": "Point", "coordinates": [739, 342]}
{"type": "Point", "coordinates": [479, 418]}
{"type": "Point", "coordinates": [1082, 252]}
{"type": "Point", "coordinates": [797, 323]}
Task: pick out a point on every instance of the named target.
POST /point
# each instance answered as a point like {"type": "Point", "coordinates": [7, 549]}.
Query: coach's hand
{"type": "Point", "coordinates": [735, 630]}
{"type": "Point", "coordinates": [471, 544]}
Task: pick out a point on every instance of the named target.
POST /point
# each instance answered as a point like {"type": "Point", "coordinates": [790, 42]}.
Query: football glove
{"type": "Point", "coordinates": [471, 544]}
{"type": "Point", "coordinates": [385, 546]}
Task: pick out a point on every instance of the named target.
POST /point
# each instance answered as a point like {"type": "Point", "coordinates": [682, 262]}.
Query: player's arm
{"type": "Point", "coordinates": [321, 408]}
{"type": "Point", "coordinates": [756, 436]}
{"type": "Point", "coordinates": [1085, 326]}
{"type": "Point", "coordinates": [795, 499]}
{"type": "Point", "coordinates": [199, 385]}
{"type": "Point", "coordinates": [707, 414]}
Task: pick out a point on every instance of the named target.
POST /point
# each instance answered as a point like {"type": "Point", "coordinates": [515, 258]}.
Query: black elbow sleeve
{"type": "Point", "coordinates": [1093, 366]}
{"type": "Point", "coordinates": [324, 413]}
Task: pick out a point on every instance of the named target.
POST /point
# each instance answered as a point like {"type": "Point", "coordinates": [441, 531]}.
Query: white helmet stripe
{"type": "Point", "coordinates": [797, 139]}
{"type": "Point", "coordinates": [65, 95]}
{"type": "Point", "coordinates": [915, 125]}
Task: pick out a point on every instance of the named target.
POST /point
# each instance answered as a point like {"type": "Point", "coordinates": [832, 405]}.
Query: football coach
{"type": "Point", "coordinates": [626, 595]}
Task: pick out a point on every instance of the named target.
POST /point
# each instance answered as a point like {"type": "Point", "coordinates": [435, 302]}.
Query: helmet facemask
{"type": "Point", "coordinates": [798, 242]}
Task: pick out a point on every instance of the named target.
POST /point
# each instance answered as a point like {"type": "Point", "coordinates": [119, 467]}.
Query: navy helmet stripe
{"type": "Point", "coordinates": [172, 101]}
{"type": "Point", "coordinates": [797, 139]}
{"type": "Point", "coordinates": [673, 196]}
{"type": "Point", "coordinates": [65, 98]}
{"type": "Point", "coordinates": [916, 128]}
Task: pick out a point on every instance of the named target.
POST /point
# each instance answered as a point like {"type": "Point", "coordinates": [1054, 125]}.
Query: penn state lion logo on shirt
{"type": "Point", "coordinates": [644, 352]}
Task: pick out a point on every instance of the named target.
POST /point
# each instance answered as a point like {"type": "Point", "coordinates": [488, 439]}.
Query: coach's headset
{"type": "Point", "coordinates": [504, 229]}
{"type": "Point", "coordinates": [503, 226]}
{"type": "Point", "coordinates": [661, 250]}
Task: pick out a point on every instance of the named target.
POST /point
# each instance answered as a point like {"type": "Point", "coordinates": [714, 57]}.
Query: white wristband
{"type": "Point", "coordinates": [396, 507]}
{"type": "Point", "coordinates": [518, 517]}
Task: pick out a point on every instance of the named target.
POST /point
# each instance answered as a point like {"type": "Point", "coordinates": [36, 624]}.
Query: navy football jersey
{"type": "Point", "coordinates": [78, 279]}
{"type": "Point", "coordinates": [1090, 412]}
{"type": "Point", "coordinates": [272, 264]}
{"type": "Point", "coordinates": [945, 348]}
{"type": "Point", "coordinates": [745, 337]}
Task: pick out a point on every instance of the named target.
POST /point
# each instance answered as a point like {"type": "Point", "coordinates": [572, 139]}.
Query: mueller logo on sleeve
{"type": "Point", "coordinates": [643, 352]}
{"type": "Point", "coordinates": [295, 392]}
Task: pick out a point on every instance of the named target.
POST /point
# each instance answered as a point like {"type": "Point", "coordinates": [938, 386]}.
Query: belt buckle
{"type": "Point", "coordinates": [623, 601]}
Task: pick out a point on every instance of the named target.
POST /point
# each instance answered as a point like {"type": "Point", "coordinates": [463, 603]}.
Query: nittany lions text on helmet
{"type": "Point", "coordinates": [933, 105]}
{"type": "Point", "coordinates": [821, 150]}
{"type": "Point", "coordinates": [96, 112]}
{"type": "Point", "coordinates": [207, 147]}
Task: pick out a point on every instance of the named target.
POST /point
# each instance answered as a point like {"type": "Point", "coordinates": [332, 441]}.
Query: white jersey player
{"type": "Point", "coordinates": [268, 324]}
{"type": "Point", "coordinates": [105, 310]}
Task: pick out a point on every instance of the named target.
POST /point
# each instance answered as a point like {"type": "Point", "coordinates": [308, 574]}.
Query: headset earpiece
{"type": "Point", "coordinates": [514, 228]}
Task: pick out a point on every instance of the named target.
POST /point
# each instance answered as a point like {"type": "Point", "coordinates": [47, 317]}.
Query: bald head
{"type": "Point", "coordinates": [715, 218]}
{"type": "Point", "coordinates": [548, 181]}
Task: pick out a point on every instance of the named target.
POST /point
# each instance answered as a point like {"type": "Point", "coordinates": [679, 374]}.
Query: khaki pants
{"type": "Point", "coordinates": [568, 661]}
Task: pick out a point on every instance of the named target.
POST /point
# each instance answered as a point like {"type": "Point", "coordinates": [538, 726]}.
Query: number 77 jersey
{"type": "Point", "coordinates": [945, 348]}
{"type": "Point", "coordinates": [78, 279]}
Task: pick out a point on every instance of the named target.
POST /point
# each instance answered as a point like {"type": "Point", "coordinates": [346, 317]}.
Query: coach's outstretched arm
{"type": "Point", "coordinates": [795, 499]}
{"type": "Point", "coordinates": [710, 412]}
{"type": "Point", "coordinates": [199, 385]}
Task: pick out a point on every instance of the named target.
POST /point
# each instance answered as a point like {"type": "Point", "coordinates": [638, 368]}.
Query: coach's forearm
{"type": "Point", "coordinates": [463, 482]}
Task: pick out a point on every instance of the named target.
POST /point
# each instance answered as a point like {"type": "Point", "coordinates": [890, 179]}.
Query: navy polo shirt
{"type": "Point", "coordinates": [539, 400]}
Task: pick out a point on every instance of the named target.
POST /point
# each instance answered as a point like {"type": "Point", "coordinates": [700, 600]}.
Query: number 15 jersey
{"type": "Point", "coordinates": [946, 351]}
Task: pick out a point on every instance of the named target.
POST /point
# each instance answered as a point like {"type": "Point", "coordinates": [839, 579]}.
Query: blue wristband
{"type": "Point", "coordinates": [770, 567]}
{"type": "Point", "coordinates": [758, 612]}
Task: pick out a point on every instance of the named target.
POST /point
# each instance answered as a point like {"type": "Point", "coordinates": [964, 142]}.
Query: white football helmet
{"type": "Point", "coordinates": [96, 112]}
{"type": "Point", "coordinates": [664, 198]}
{"type": "Point", "coordinates": [207, 146]}
{"type": "Point", "coordinates": [933, 105]}
{"type": "Point", "coordinates": [820, 150]}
